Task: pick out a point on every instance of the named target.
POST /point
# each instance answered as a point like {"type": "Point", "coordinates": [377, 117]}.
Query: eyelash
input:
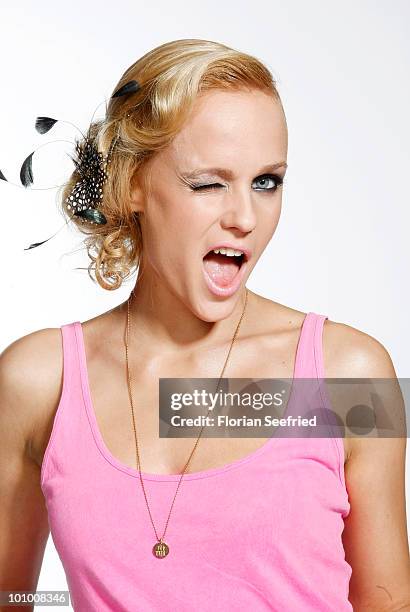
{"type": "Point", "coordinates": [278, 179]}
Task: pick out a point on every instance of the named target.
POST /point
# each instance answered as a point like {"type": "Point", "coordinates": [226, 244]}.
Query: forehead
{"type": "Point", "coordinates": [234, 127]}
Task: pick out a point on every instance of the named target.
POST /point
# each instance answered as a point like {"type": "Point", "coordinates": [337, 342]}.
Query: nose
{"type": "Point", "coordinates": [240, 211]}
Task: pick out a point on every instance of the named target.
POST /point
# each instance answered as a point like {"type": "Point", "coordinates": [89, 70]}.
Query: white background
{"type": "Point", "coordinates": [342, 70]}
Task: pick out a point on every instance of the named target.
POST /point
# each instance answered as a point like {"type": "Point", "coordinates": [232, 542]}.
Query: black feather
{"type": "Point", "coordinates": [44, 124]}
{"type": "Point", "coordinates": [2, 177]}
{"type": "Point", "coordinates": [36, 244]}
{"type": "Point", "coordinates": [26, 172]}
{"type": "Point", "coordinates": [130, 87]}
{"type": "Point", "coordinates": [92, 214]}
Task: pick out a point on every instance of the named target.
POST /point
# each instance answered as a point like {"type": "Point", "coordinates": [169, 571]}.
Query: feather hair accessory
{"type": "Point", "coordinates": [90, 164]}
{"type": "Point", "coordinates": [87, 194]}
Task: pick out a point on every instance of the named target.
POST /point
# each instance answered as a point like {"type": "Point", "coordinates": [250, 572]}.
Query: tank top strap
{"type": "Point", "coordinates": [309, 356]}
{"type": "Point", "coordinates": [69, 417]}
{"type": "Point", "coordinates": [309, 365]}
{"type": "Point", "coordinates": [314, 394]}
{"type": "Point", "coordinates": [71, 361]}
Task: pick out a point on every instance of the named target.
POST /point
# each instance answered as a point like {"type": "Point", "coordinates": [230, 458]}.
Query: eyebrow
{"type": "Point", "coordinates": [228, 174]}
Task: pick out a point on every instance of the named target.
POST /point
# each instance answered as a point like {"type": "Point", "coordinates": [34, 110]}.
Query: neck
{"type": "Point", "coordinates": [162, 319]}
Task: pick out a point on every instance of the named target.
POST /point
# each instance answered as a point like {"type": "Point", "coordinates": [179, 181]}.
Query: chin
{"type": "Point", "coordinates": [212, 309]}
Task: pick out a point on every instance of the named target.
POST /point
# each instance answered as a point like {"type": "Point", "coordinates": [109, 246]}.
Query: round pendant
{"type": "Point", "coordinates": [160, 550]}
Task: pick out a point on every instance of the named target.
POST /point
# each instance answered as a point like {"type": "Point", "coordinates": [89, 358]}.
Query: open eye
{"type": "Point", "coordinates": [265, 178]}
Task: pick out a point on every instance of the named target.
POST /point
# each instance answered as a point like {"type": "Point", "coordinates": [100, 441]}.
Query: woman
{"type": "Point", "coordinates": [254, 524]}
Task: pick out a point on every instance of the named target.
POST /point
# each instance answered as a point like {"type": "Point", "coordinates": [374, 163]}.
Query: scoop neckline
{"type": "Point", "coordinates": [131, 471]}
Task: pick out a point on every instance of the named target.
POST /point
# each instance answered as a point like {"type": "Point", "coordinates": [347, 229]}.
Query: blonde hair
{"type": "Point", "coordinates": [171, 77]}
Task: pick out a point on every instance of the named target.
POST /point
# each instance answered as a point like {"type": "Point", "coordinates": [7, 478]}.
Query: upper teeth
{"type": "Point", "coordinates": [229, 252]}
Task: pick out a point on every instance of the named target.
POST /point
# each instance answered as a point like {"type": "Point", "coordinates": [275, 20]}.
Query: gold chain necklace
{"type": "Point", "coordinates": [160, 548]}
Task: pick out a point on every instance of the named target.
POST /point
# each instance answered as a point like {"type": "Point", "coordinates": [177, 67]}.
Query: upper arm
{"type": "Point", "coordinates": [375, 534]}
{"type": "Point", "coordinates": [28, 389]}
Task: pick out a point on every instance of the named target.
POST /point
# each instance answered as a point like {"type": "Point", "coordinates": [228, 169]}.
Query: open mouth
{"type": "Point", "coordinates": [222, 268]}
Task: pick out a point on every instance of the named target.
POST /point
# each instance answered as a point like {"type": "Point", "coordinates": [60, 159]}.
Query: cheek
{"type": "Point", "coordinates": [175, 218]}
{"type": "Point", "coordinates": [171, 227]}
{"type": "Point", "coordinates": [269, 212]}
{"type": "Point", "coordinates": [267, 221]}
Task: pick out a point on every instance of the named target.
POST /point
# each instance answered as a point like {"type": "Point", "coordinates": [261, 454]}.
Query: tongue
{"type": "Point", "coordinates": [221, 268]}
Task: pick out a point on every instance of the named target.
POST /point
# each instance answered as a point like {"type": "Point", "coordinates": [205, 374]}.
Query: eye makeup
{"type": "Point", "coordinates": [267, 178]}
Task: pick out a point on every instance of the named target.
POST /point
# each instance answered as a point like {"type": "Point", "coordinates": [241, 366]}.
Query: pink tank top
{"type": "Point", "coordinates": [260, 533]}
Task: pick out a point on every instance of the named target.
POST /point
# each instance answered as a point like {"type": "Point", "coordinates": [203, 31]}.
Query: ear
{"type": "Point", "coordinates": [137, 195]}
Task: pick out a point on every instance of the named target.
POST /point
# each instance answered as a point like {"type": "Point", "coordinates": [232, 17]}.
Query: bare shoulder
{"type": "Point", "coordinates": [347, 351]}
{"type": "Point", "coordinates": [350, 352]}
{"type": "Point", "coordinates": [30, 382]}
